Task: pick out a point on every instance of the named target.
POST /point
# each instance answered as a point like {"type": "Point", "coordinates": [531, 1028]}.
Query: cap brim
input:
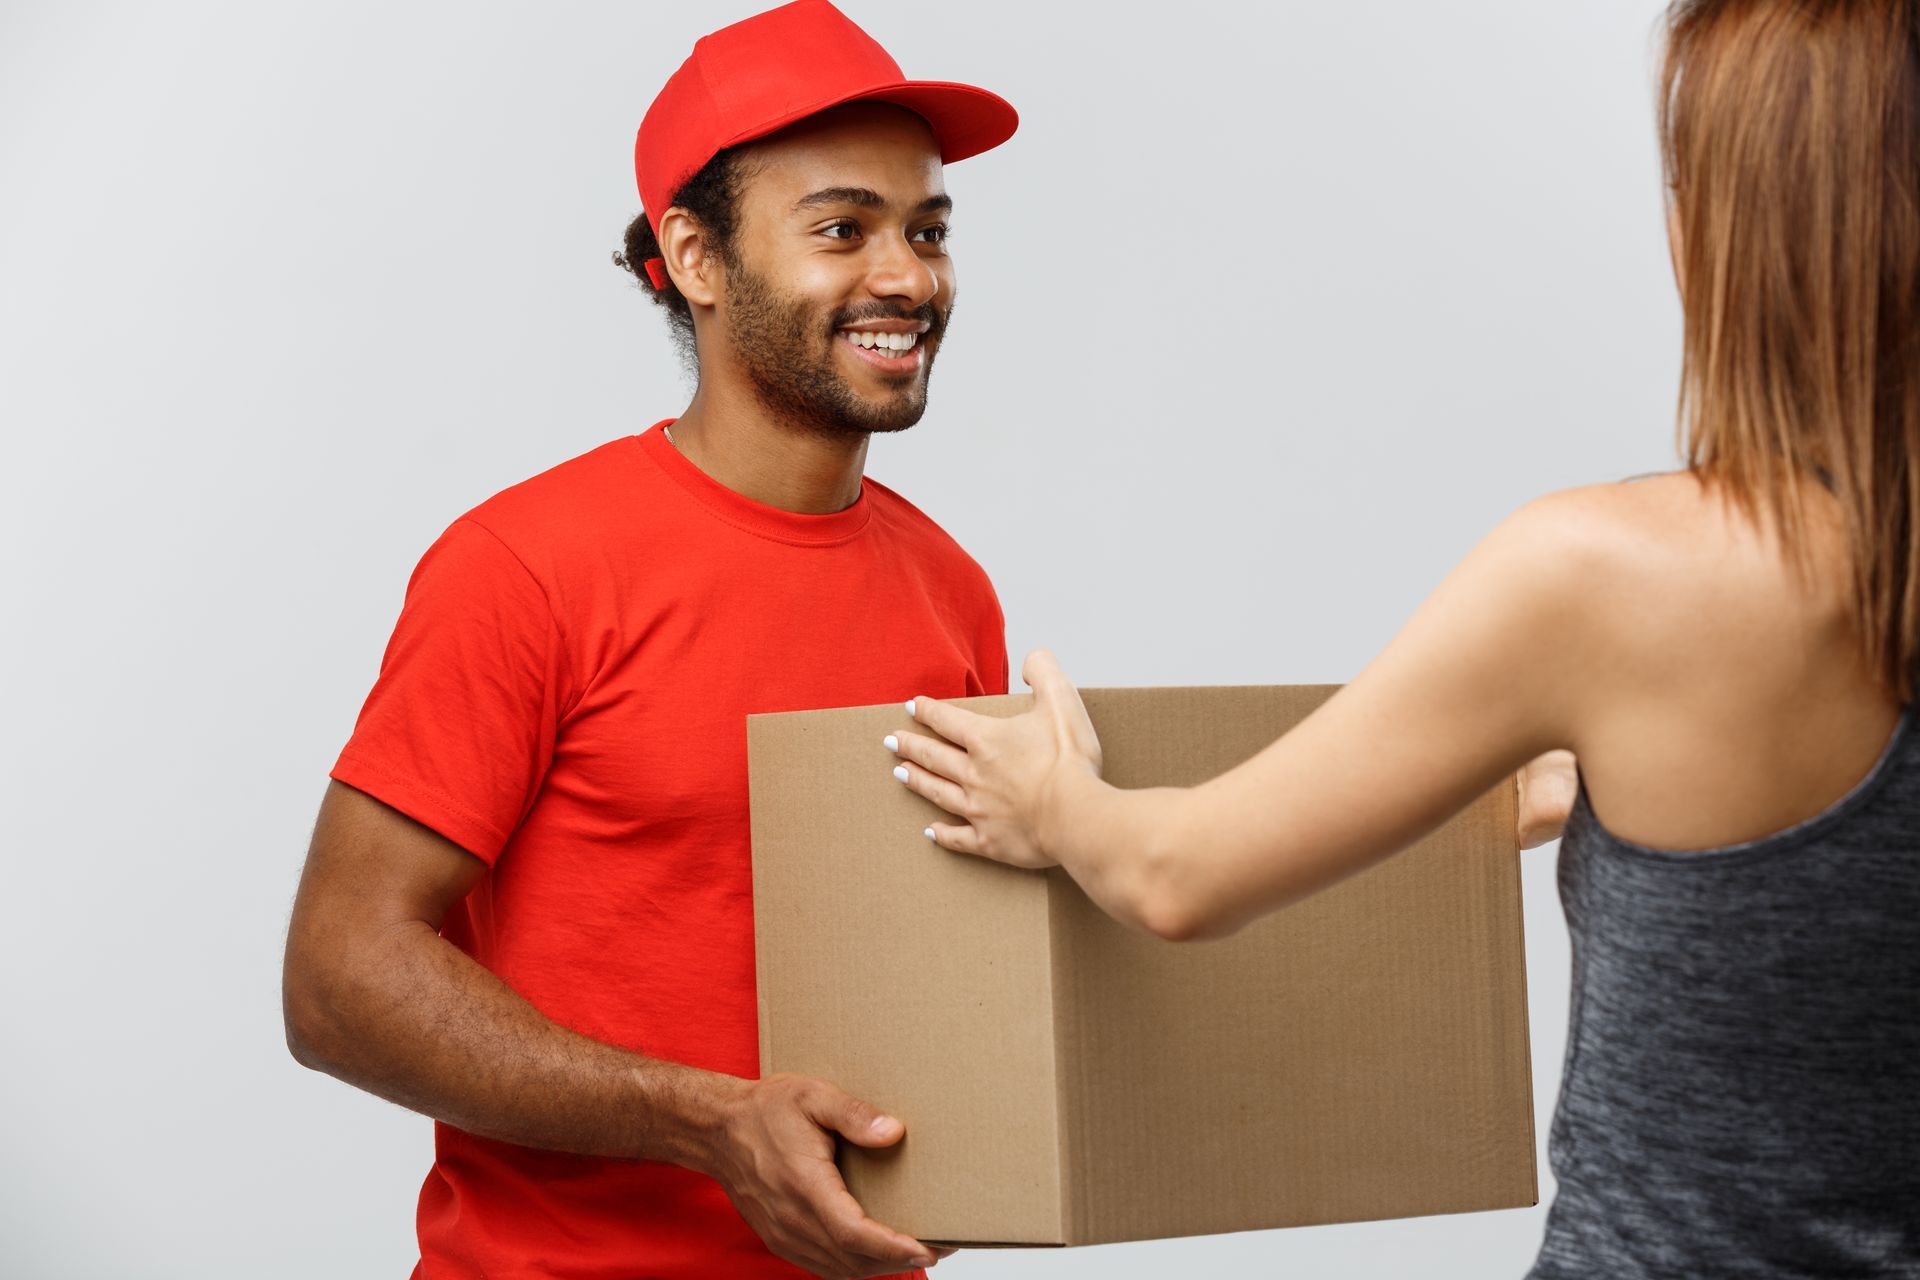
{"type": "Point", "coordinates": [966, 120]}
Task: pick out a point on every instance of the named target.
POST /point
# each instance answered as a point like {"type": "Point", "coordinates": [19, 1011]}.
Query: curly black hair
{"type": "Point", "coordinates": [712, 196]}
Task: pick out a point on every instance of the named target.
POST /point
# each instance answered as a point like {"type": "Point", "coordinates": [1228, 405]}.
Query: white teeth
{"type": "Point", "coordinates": [889, 342]}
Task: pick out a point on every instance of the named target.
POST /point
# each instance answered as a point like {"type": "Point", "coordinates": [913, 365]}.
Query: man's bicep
{"type": "Point", "coordinates": [371, 865]}
{"type": "Point", "coordinates": [373, 876]}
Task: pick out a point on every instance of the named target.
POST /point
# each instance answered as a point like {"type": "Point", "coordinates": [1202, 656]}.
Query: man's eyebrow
{"type": "Point", "coordinates": [865, 198]}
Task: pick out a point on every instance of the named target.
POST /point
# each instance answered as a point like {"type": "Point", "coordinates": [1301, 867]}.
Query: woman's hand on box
{"type": "Point", "coordinates": [1547, 787]}
{"type": "Point", "coordinates": [1004, 777]}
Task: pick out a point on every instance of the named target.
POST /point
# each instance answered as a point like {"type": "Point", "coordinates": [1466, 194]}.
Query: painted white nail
{"type": "Point", "coordinates": [900, 772]}
{"type": "Point", "coordinates": [890, 742]}
{"type": "Point", "coordinates": [928, 833]}
{"type": "Point", "coordinates": [909, 706]}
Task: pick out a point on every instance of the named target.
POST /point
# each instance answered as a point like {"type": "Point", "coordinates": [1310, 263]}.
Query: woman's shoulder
{"type": "Point", "coordinates": [1671, 530]}
{"type": "Point", "coordinates": [1661, 572]}
{"type": "Point", "coordinates": [1602, 537]}
{"type": "Point", "coordinates": [1724, 692]}
{"type": "Point", "coordinates": [1620, 516]}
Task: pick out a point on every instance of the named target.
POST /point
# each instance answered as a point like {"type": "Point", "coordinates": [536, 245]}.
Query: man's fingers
{"type": "Point", "coordinates": [843, 1224]}
{"type": "Point", "coordinates": [955, 724]}
{"type": "Point", "coordinates": [813, 1261]}
{"type": "Point", "coordinates": [948, 795]}
{"type": "Point", "coordinates": [930, 754]}
{"type": "Point", "coordinates": [859, 1237]}
{"type": "Point", "coordinates": [856, 1121]}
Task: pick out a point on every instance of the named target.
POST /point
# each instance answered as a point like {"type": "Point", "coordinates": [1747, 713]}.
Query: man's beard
{"type": "Point", "coordinates": [787, 349]}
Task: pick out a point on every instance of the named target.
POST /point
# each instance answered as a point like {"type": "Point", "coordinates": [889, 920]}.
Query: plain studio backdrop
{"type": "Point", "coordinates": [1267, 314]}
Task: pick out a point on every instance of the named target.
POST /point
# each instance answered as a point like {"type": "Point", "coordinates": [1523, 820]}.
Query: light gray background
{"type": "Point", "coordinates": [1270, 312]}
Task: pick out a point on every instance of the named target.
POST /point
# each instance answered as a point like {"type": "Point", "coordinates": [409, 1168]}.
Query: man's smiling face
{"type": "Point", "coordinates": [838, 283]}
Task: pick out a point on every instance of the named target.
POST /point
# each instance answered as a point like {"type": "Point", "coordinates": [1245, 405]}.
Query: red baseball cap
{"type": "Point", "coordinates": [762, 74]}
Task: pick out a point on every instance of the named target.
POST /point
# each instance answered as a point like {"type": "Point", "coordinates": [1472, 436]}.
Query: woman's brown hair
{"type": "Point", "coordinates": [1790, 132]}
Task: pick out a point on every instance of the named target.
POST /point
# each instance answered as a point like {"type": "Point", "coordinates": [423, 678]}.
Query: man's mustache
{"type": "Point", "coordinates": [935, 319]}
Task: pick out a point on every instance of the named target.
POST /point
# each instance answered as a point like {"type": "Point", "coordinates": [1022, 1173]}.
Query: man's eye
{"type": "Point", "coordinates": [833, 232]}
{"type": "Point", "coordinates": [936, 234]}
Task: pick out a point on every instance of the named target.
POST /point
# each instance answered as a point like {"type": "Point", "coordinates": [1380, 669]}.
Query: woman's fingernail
{"type": "Point", "coordinates": [910, 702]}
{"type": "Point", "coordinates": [928, 833]}
{"type": "Point", "coordinates": [924, 1260]}
{"type": "Point", "coordinates": [900, 772]}
{"type": "Point", "coordinates": [890, 742]}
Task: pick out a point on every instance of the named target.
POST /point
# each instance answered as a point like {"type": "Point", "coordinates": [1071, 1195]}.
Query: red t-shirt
{"type": "Point", "coordinates": [565, 695]}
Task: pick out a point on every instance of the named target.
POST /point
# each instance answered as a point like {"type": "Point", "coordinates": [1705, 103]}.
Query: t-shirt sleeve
{"type": "Point", "coordinates": [459, 729]}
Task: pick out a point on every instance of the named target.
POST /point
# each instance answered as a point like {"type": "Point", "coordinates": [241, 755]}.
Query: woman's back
{"type": "Point", "coordinates": [1742, 1085]}
{"type": "Point", "coordinates": [1741, 871]}
{"type": "Point", "coordinates": [1733, 698]}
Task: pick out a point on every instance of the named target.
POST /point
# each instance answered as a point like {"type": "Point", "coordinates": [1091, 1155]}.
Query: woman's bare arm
{"type": "Point", "coordinates": [1462, 698]}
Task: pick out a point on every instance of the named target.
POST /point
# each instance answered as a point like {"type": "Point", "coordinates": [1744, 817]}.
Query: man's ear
{"type": "Point", "coordinates": [683, 246]}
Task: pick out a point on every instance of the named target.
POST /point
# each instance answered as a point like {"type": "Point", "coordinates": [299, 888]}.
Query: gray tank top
{"type": "Point", "coordinates": [1742, 1085]}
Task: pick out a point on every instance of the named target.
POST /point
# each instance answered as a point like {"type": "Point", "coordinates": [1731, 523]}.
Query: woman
{"type": "Point", "coordinates": [1728, 650]}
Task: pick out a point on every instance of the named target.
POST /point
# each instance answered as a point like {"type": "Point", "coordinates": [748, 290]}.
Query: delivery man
{"type": "Point", "coordinates": [527, 907]}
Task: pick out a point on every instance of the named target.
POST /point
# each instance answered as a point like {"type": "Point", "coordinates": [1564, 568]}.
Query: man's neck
{"type": "Point", "coordinates": [742, 446]}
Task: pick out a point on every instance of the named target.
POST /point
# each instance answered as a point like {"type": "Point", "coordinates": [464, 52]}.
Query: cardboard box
{"type": "Point", "coordinates": [1065, 1079]}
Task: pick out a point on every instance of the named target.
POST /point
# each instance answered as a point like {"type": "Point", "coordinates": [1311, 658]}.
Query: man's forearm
{"type": "Point", "coordinates": [406, 1015]}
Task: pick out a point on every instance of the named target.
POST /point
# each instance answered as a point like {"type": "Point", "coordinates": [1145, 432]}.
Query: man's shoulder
{"type": "Point", "coordinates": [570, 518]}
{"type": "Point", "coordinates": [575, 499]}
{"type": "Point", "coordinates": [929, 538]}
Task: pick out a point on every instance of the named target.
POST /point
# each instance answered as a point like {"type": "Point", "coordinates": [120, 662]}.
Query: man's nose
{"type": "Point", "coordinates": [896, 271]}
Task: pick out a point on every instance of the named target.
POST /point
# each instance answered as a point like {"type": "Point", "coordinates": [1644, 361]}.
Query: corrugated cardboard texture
{"type": "Point", "coordinates": [1361, 1054]}
{"type": "Point", "coordinates": [1064, 1079]}
{"type": "Point", "coordinates": [912, 978]}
